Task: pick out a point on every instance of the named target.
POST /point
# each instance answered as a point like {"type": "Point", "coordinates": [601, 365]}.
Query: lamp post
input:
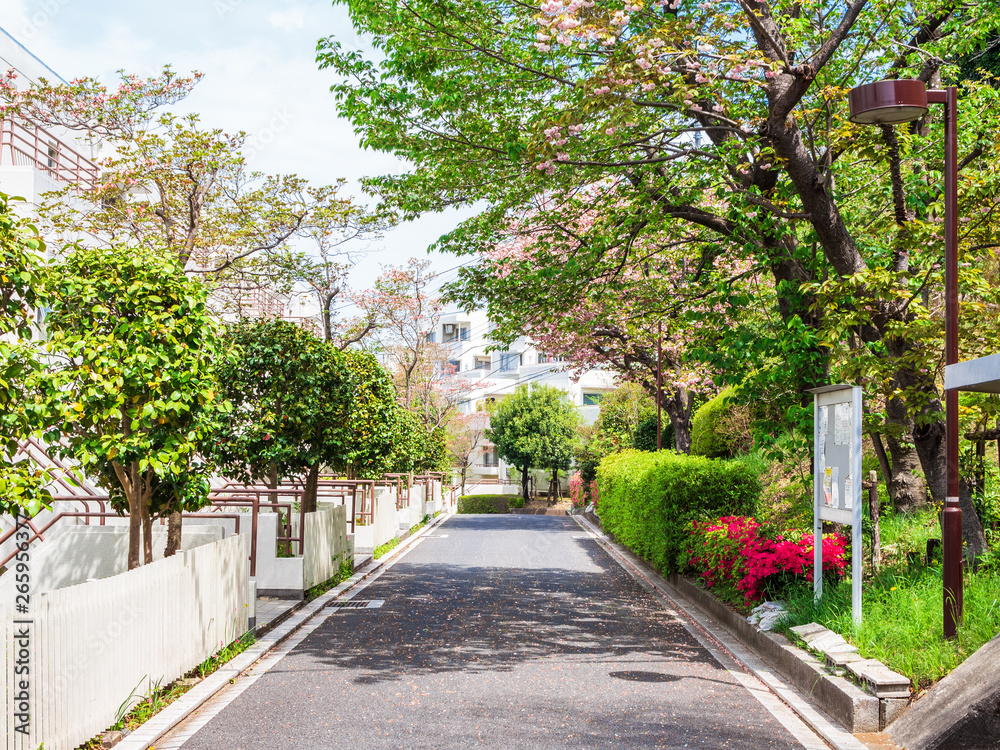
{"type": "Point", "coordinates": [893, 102]}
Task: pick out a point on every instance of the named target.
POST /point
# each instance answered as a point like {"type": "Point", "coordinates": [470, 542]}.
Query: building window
{"type": "Point", "coordinates": [548, 359]}
{"type": "Point", "coordinates": [592, 399]}
{"type": "Point", "coordinates": [490, 457]}
{"type": "Point", "coordinates": [431, 337]}
{"type": "Point", "coordinates": [482, 364]}
{"type": "Point", "coordinates": [509, 361]}
{"type": "Point", "coordinates": [455, 365]}
{"type": "Point", "coordinates": [465, 334]}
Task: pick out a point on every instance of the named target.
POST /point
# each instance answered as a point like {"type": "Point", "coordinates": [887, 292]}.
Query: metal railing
{"type": "Point", "coordinates": [28, 145]}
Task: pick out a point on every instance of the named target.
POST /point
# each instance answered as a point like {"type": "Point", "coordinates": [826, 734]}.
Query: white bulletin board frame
{"type": "Point", "coordinates": [837, 477]}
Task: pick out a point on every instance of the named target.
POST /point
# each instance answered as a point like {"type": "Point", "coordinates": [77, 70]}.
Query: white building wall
{"type": "Point", "coordinates": [492, 375]}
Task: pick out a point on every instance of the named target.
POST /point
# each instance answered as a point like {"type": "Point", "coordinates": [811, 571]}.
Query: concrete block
{"type": "Point", "coordinates": [840, 659]}
{"type": "Point", "coordinates": [832, 642]}
{"type": "Point", "coordinates": [857, 668]}
{"type": "Point", "coordinates": [882, 682]}
{"type": "Point", "coordinates": [803, 630]}
{"type": "Point", "coordinates": [891, 709]}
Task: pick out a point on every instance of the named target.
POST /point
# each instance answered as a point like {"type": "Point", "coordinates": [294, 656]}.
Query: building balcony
{"type": "Point", "coordinates": [27, 145]}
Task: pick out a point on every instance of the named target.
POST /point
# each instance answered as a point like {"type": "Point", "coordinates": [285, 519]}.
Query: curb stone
{"type": "Point", "coordinates": [157, 726]}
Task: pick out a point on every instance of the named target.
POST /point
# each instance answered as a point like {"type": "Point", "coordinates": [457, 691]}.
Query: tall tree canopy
{"type": "Point", "coordinates": [721, 125]}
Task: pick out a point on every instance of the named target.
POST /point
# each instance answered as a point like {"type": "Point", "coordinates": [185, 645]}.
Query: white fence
{"type": "Point", "coordinates": [92, 645]}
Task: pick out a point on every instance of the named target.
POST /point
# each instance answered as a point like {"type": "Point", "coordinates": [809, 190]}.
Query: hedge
{"type": "Point", "coordinates": [489, 503]}
{"type": "Point", "coordinates": [646, 499]}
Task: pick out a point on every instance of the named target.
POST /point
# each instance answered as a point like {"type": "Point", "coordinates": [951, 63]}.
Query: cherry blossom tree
{"type": "Point", "coordinates": [728, 118]}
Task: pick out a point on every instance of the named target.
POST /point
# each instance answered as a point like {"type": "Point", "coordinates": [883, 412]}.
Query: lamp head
{"type": "Point", "coordinates": [888, 102]}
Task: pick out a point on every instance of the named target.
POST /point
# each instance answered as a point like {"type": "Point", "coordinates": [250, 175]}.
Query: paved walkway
{"type": "Point", "coordinates": [503, 632]}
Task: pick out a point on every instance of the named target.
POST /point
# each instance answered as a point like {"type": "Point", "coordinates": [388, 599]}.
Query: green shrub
{"type": "Point", "coordinates": [646, 499]}
{"type": "Point", "coordinates": [489, 503]}
{"type": "Point", "coordinates": [644, 436]}
{"type": "Point", "coordinates": [721, 428]}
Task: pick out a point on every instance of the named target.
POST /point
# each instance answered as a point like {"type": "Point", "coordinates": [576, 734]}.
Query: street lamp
{"type": "Point", "coordinates": [892, 102]}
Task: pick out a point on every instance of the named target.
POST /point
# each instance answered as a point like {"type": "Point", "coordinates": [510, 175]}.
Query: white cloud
{"type": "Point", "coordinates": [289, 20]}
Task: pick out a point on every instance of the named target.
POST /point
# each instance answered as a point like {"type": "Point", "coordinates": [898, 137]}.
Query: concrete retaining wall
{"type": "Point", "coordinates": [386, 525]}
{"type": "Point", "coordinates": [326, 543]}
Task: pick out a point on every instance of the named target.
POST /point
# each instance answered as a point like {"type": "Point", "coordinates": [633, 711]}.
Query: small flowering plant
{"type": "Point", "coordinates": [738, 556]}
{"type": "Point", "coordinates": [577, 494]}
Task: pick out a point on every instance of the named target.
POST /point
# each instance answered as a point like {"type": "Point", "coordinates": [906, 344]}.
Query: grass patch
{"type": "Point", "coordinates": [393, 543]}
{"type": "Point", "coordinates": [157, 697]}
{"type": "Point", "coordinates": [902, 611]}
{"type": "Point", "coordinates": [346, 571]}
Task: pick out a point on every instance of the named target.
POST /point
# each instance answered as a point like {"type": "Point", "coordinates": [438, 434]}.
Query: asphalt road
{"type": "Point", "coordinates": [500, 632]}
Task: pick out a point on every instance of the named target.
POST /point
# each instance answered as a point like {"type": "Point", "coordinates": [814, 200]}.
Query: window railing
{"type": "Point", "coordinates": [28, 145]}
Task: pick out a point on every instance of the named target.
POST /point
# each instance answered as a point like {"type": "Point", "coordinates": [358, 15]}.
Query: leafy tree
{"type": "Point", "coordinates": [292, 399]}
{"type": "Point", "coordinates": [21, 266]}
{"type": "Point", "coordinates": [374, 420]}
{"type": "Point", "coordinates": [721, 125]}
{"type": "Point", "coordinates": [132, 375]}
{"type": "Point", "coordinates": [170, 182]}
{"type": "Point", "coordinates": [535, 427]}
{"type": "Point", "coordinates": [466, 440]}
{"type": "Point", "coordinates": [408, 315]}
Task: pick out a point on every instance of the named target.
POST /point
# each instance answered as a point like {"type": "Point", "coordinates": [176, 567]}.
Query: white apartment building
{"type": "Point", "coordinates": [34, 160]}
{"type": "Point", "coordinates": [492, 375]}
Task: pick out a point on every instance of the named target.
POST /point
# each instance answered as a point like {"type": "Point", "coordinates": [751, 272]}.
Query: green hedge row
{"type": "Point", "coordinates": [489, 503]}
{"type": "Point", "coordinates": [646, 499]}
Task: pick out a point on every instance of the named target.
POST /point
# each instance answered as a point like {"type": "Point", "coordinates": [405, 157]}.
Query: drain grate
{"type": "Point", "coordinates": [358, 604]}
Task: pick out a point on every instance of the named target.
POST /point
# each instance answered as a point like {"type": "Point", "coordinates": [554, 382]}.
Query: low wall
{"type": "Point", "coordinates": [326, 543]}
{"type": "Point", "coordinates": [386, 525]}
{"type": "Point", "coordinates": [276, 576]}
{"type": "Point", "coordinates": [94, 644]}
{"type": "Point", "coordinates": [81, 553]}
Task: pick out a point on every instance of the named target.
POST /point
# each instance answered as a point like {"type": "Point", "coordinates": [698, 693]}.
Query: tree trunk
{"type": "Point", "coordinates": [272, 483]}
{"type": "Point", "coordinates": [524, 483]}
{"type": "Point", "coordinates": [555, 491]}
{"type": "Point", "coordinates": [883, 463]}
{"type": "Point", "coordinates": [147, 531]}
{"type": "Point", "coordinates": [311, 488]}
{"type": "Point", "coordinates": [972, 528]}
{"type": "Point", "coordinates": [174, 521]}
{"type": "Point", "coordinates": [906, 488]}
{"type": "Point", "coordinates": [134, 531]}
{"type": "Point", "coordinates": [678, 408]}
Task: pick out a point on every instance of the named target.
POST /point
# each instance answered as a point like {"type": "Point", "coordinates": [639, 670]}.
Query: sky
{"type": "Point", "coordinates": [257, 57]}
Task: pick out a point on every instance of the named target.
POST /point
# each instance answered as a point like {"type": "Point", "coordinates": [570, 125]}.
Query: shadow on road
{"type": "Point", "coordinates": [453, 617]}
